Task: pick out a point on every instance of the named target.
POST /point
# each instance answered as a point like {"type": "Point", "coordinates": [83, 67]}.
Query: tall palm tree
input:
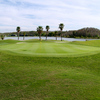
{"type": "Point", "coordinates": [24, 33]}
{"type": "Point", "coordinates": [39, 30]}
{"type": "Point", "coordinates": [61, 26]}
{"type": "Point", "coordinates": [47, 28]}
{"type": "Point", "coordinates": [56, 34]}
{"type": "Point", "coordinates": [18, 30]}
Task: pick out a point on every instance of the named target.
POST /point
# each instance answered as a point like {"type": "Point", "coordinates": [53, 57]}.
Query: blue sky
{"type": "Point", "coordinates": [29, 14]}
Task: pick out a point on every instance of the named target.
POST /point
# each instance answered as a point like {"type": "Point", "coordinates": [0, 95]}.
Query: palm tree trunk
{"type": "Point", "coordinates": [46, 35]}
{"type": "Point", "coordinates": [56, 37]}
{"type": "Point", "coordinates": [18, 35]}
{"type": "Point", "coordinates": [61, 35]}
{"type": "Point", "coordinates": [40, 37]}
{"type": "Point", "coordinates": [23, 37]}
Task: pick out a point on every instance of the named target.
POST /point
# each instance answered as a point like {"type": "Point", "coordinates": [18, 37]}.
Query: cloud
{"type": "Point", "coordinates": [29, 14]}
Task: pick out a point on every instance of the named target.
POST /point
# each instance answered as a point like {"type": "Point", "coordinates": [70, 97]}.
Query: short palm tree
{"type": "Point", "coordinates": [61, 26]}
{"type": "Point", "coordinates": [24, 33]}
{"type": "Point", "coordinates": [18, 30]}
{"type": "Point", "coordinates": [47, 29]}
{"type": "Point", "coordinates": [39, 30]}
{"type": "Point", "coordinates": [56, 34]}
{"type": "Point", "coordinates": [2, 36]}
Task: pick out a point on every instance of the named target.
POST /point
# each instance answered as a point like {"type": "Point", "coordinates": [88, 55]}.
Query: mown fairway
{"type": "Point", "coordinates": [49, 70]}
{"type": "Point", "coordinates": [48, 48]}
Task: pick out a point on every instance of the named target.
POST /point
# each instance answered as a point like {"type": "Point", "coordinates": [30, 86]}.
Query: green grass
{"type": "Point", "coordinates": [50, 48]}
{"type": "Point", "coordinates": [71, 70]}
{"type": "Point", "coordinates": [95, 43]}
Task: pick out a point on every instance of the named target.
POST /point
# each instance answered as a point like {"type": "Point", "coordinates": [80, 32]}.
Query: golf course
{"type": "Point", "coordinates": [49, 70]}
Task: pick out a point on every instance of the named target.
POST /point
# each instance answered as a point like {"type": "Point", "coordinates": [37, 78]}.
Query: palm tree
{"type": "Point", "coordinates": [56, 34]}
{"type": "Point", "coordinates": [61, 26]}
{"type": "Point", "coordinates": [24, 33]}
{"type": "Point", "coordinates": [39, 30]}
{"type": "Point", "coordinates": [47, 28]}
{"type": "Point", "coordinates": [18, 30]}
{"type": "Point", "coordinates": [2, 36]}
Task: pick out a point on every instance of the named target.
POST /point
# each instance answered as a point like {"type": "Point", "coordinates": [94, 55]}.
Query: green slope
{"type": "Point", "coordinates": [28, 77]}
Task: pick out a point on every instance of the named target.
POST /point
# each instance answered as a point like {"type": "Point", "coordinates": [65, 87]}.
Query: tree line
{"type": "Point", "coordinates": [81, 33]}
{"type": "Point", "coordinates": [39, 32]}
{"type": "Point", "coordinates": [84, 33]}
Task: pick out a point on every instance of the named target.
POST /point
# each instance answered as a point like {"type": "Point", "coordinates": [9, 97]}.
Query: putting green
{"type": "Point", "coordinates": [43, 48]}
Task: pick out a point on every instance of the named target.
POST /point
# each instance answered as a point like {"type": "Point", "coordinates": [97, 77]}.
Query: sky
{"type": "Point", "coordinates": [29, 14]}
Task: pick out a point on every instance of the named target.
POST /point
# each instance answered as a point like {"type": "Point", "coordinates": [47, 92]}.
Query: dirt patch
{"type": "Point", "coordinates": [20, 42]}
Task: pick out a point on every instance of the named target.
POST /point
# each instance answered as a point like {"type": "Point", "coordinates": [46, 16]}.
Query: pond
{"type": "Point", "coordinates": [49, 38]}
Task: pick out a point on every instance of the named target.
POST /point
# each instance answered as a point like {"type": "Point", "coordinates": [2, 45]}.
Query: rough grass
{"type": "Point", "coordinates": [28, 77]}
{"type": "Point", "coordinates": [95, 43]}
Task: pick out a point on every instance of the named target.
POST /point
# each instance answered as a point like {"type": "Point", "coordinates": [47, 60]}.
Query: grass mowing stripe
{"type": "Point", "coordinates": [49, 49]}
{"type": "Point", "coordinates": [41, 48]}
{"type": "Point", "coordinates": [34, 47]}
{"type": "Point", "coordinates": [69, 48]}
{"type": "Point", "coordinates": [30, 47]}
{"type": "Point", "coordinates": [58, 48]}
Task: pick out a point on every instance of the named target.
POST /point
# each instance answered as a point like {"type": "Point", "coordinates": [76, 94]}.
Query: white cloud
{"type": "Point", "coordinates": [29, 14]}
